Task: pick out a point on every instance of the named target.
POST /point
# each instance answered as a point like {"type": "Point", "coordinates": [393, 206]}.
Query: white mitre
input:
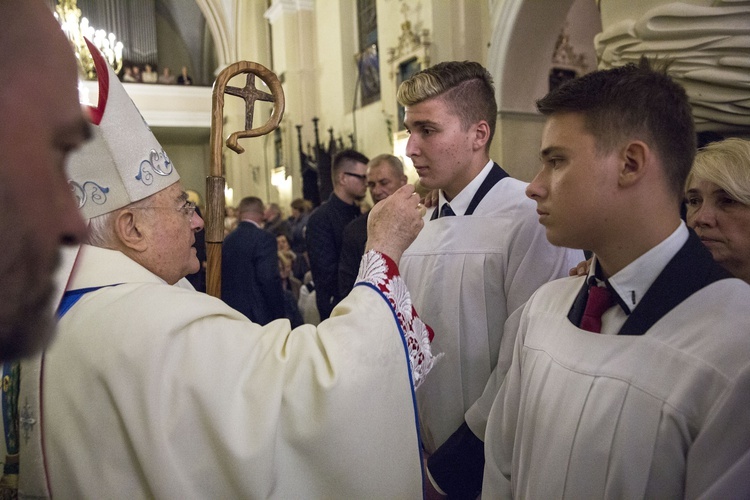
{"type": "Point", "coordinates": [123, 162]}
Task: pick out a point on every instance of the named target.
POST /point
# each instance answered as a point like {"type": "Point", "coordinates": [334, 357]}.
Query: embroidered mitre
{"type": "Point", "coordinates": [123, 162]}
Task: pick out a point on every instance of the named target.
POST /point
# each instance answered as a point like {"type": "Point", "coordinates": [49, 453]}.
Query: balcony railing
{"type": "Point", "coordinates": [166, 106]}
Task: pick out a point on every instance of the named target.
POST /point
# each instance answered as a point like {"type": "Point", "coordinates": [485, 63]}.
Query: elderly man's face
{"type": "Point", "coordinates": [170, 229]}
{"type": "Point", "coordinates": [383, 181]}
{"type": "Point", "coordinates": [42, 123]}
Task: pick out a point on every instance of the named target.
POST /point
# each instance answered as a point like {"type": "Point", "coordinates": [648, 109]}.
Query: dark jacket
{"type": "Point", "coordinates": [198, 279]}
{"type": "Point", "coordinates": [324, 234]}
{"type": "Point", "coordinates": [297, 240]}
{"type": "Point", "coordinates": [352, 249]}
{"type": "Point", "coordinates": [278, 227]}
{"type": "Point", "coordinates": [250, 280]}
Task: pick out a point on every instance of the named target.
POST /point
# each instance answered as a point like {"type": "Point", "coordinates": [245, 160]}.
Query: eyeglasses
{"type": "Point", "coordinates": [363, 178]}
{"type": "Point", "coordinates": [188, 209]}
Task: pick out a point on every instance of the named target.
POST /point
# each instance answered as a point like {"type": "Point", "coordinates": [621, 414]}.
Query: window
{"type": "Point", "coordinates": [367, 17]}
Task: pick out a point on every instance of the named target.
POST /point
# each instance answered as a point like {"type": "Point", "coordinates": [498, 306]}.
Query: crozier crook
{"type": "Point", "coordinates": [214, 225]}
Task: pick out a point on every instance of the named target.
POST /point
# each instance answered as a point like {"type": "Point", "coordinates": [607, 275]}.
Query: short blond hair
{"type": "Point", "coordinates": [465, 86]}
{"type": "Point", "coordinates": [727, 164]}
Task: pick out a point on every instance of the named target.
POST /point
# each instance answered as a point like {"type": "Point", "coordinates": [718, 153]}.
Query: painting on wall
{"type": "Point", "coordinates": [369, 75]}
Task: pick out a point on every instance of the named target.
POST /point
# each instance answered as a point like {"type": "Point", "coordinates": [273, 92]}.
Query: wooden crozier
{"type": "Point", "coordinates": [214, 224]}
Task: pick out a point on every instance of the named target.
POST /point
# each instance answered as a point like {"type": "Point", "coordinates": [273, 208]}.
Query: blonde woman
{"type": "Point", "coordinates": [718, 203]}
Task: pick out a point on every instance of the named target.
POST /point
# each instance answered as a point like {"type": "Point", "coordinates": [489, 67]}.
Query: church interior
{"type": "Point", "coordinates": [340, 63]}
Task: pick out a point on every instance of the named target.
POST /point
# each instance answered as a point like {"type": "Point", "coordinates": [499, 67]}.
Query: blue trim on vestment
{"type": "Point", "coordinates": [72, 296]}
{"type": "Point", "coordinates": [408, 369]}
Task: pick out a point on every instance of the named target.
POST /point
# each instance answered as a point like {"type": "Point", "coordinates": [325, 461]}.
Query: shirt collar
{"type": "Point", "coordinates": [461, 202]}
{"type": "Point", "coordinates": [633, 281]}
{"type": "Point", "coordinates": [252, 222]}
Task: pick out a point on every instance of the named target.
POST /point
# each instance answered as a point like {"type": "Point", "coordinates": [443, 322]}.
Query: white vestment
{"type": "Point", "coordinates": [151, 390]}
{"type": "Point", "coordinates": [466, 274]}
{"type": "Point", "coordinates": [660, 415]}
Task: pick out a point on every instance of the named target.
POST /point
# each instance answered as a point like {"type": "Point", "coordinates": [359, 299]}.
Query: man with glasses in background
{"type": "Point", "coordinates": [325, 228]}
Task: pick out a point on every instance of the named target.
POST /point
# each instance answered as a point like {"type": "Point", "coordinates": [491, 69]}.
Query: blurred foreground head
{"type": "Point", "coordinates": [41, 123]}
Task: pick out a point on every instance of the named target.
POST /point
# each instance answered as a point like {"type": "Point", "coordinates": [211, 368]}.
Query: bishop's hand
{"type": "Point", "coordinates": [394, 223]}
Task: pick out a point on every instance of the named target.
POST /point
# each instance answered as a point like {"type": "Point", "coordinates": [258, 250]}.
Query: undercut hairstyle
{"type": "Point", "coordinates": [346, 158]}
{"type": "Point", "coordinates": [466, 87]}
{"type": "Point", "coordinates": [632, 102]}
{"type": "Point", "coordinates": [726, 164]}
{"type": "Point", "coordinates": [393, 162]}
{"type": "Point", "coordinates": [251, 204]}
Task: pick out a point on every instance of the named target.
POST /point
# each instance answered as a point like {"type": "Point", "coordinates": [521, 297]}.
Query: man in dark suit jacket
{"type": "Point", "coordinates": [385, 174]}
{"type": "Point", "coordinates": [250, 280]}
{"type": "Point", "coordinates": [325, 228]}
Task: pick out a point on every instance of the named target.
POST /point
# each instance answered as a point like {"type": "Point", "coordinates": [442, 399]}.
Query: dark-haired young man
{"type": "Point", "coordinates": [656, 404]}
{"type": "Point", "coordinates": [325, 228]}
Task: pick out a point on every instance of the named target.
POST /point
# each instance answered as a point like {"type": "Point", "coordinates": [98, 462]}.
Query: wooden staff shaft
{"type": "Point", "coordinates": [214, 227]}
{"type": "Point", "coordinates": [214, 224]}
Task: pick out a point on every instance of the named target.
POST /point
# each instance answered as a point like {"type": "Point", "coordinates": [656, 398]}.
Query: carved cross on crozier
{"type": "Point", "coordinates": [249, 94]}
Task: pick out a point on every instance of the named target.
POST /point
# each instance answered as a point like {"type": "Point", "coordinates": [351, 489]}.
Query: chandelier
{"type": "Point", "coordinates": [76, 28]}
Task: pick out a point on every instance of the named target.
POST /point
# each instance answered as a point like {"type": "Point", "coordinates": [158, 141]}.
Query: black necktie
{"type": "Point", "coordinates": [446, 211]}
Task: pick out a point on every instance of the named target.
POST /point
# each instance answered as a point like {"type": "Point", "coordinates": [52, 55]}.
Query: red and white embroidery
{"type": "Point", "coordinates": [380, 270]}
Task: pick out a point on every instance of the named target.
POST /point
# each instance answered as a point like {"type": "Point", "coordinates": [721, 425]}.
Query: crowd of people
{"type": "Point", "coordinates": [460, 360]}
{"type": "Point", "coordinates": [147, 73]}
{"type": "Point", "coordinates": [265, 265]}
